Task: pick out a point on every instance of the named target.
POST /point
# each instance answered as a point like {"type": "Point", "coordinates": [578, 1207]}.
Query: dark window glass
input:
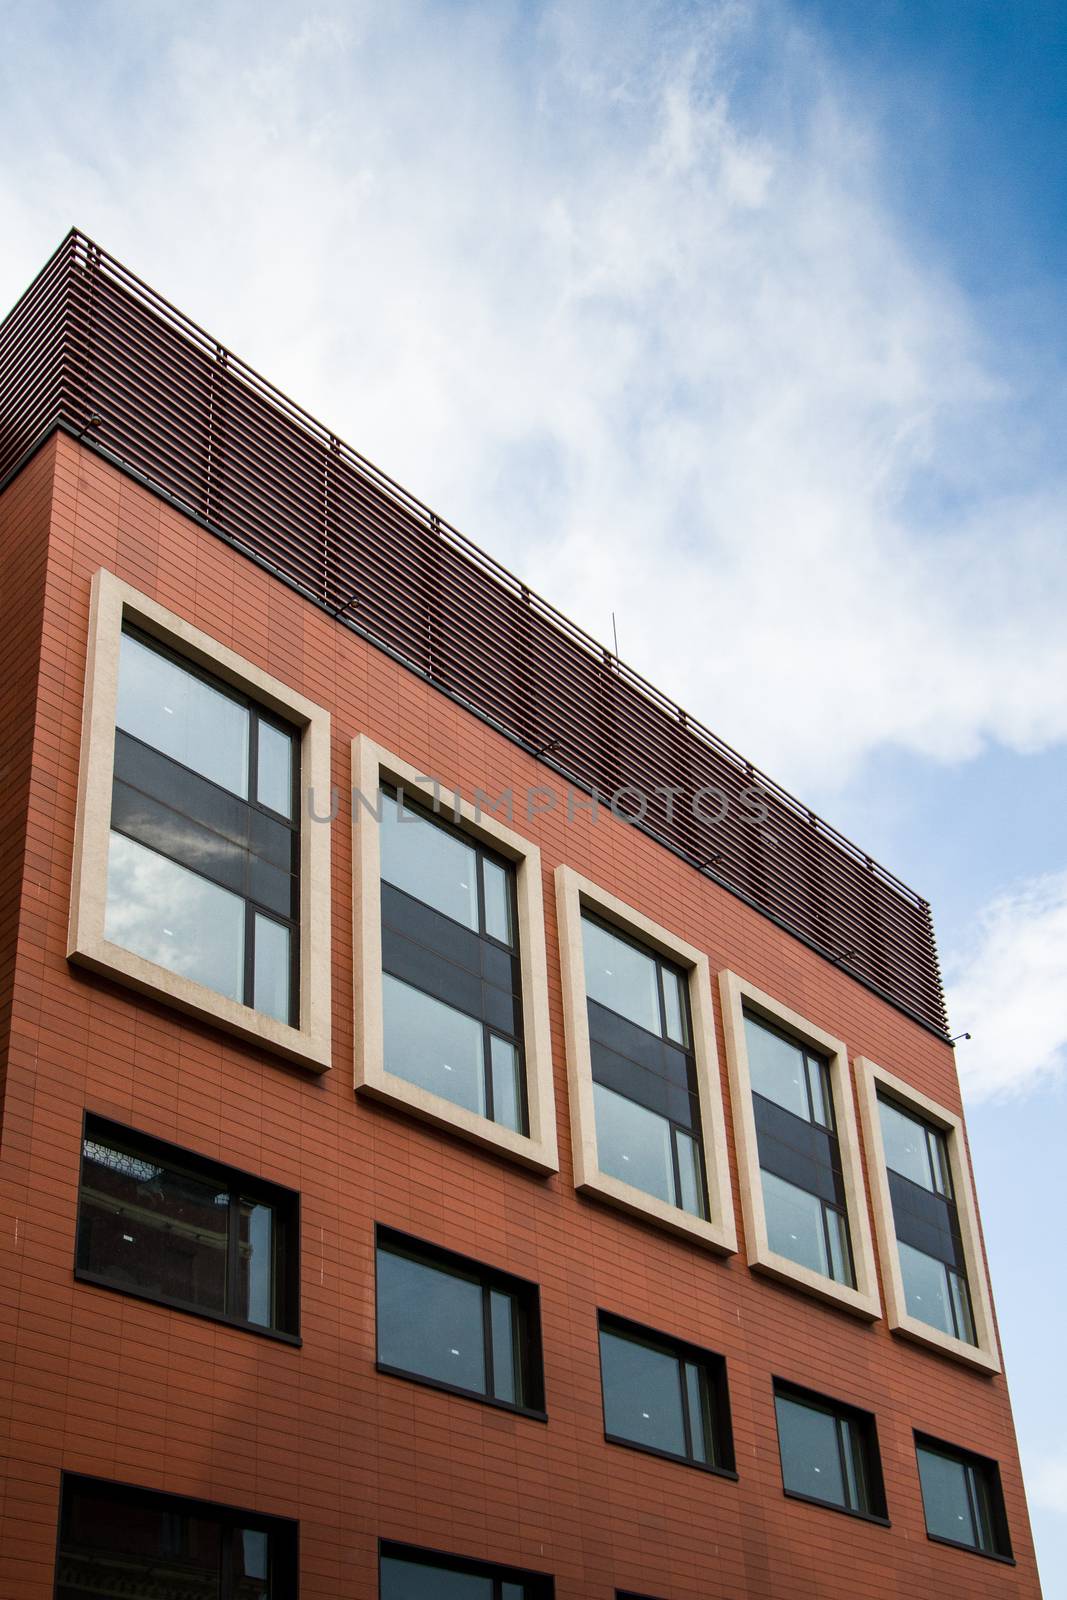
{"type": "Point", "coordinates": [451, 987]}
{"type": "Point", "coordinates": [115, 1542]}
{"type": "Point", "coordinates": [800, 1156]}
{"type": "Point", "coordinates": [409, 1574]}
{"type": "Point", "coordinates": [453, 1322]}
{"type": "Point", "coordinates": [158, 1222]}
{"type": "Point", "coordinates": [663, 1396]}
{"type": "Point", "coordinates": [644, 1074]}
{"type": "Point", "coordinates": [204, 851]}
{"type": "Point", "coordinates": [929, 1242]}
{"type": "Point", "coordinates": [962, 1498]}
{"type": "Point", "coordinates": [829, 1452]}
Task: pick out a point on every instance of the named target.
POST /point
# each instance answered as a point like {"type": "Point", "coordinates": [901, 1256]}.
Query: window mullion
{"type": "Point", "coordinates": [233, 1262]}
{"type": "Point", "coordinates": [687, 1423]}
{"type": "Point", "coordinates": [487, 1340]}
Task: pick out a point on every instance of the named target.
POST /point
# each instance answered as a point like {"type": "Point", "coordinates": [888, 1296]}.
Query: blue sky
{"type": "Point", "coordinates": [741, 319]}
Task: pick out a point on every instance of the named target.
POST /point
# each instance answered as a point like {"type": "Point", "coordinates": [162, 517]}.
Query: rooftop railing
{"type": "Point", "coordinates": [93, 350]}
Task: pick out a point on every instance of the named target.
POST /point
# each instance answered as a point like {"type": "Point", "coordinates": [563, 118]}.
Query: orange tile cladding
{"type": "Point", "coordinates": [93, 1382]}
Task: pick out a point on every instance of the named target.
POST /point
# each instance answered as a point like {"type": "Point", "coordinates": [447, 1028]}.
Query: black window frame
{"type": "Point", "coordinates": [866, 1425]}
{"type": "Point", "coordinates": [990, 1471]}
{"type": "Point", "coordinates": [285, 1547]}
{"type": "Point", "coordinates": [712, 1366]}
{"type": "Point", "coordinates": [539, 1585]}
{"type": "Point", "coordinates": [252, 907]}
{"type": "Point", "coordinates": [395, 794]}
{"type": "Point", "coordinates": [241, 1186]}
{"type": "Point", "coordinates": [811, 1057]}
{"type": "Point", "coordinates": [526, 1293]}
{"type": "Point", "coordinates": [687, 1049]}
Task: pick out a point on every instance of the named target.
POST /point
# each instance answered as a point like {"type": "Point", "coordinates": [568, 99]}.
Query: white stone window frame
{"type": "Point", "coordinates": [574, 894]}
{"type": "Point", "coordinates": [863, 1300]}
{"type": "Point", "coordinates": [112, 604]}
{"type": "Point", "coordinates": [985, 1354]}
{"type": "Point", "coordinates": [372, 765]}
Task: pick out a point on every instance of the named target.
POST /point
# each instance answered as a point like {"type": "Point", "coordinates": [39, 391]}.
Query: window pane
{"type": "Point", "coordinates": [274, 778]}
{"type": "Point", "coordinates": [811, 1461]}
{"type": "Point", "coordinates": [633, 1144]}
{"type": "Point", "coordinates": [642, 1394]}
{"type": "Point", "coordinates": [175, 918]}
{"type": "Point", "coordinates": [413, 1580]}
{"type": "Point", "coordinates": [960, 1296]}
{"type": "Point", "coordinates": [497, 885]}
{"type": "Point", "coordinates": [180, 714]}
{"type": "Point", "coordinates": [694, 1389]}
{"type": "Point", "coordinates": [255, 1257]}
{"type": "Point", "coordinates": [430, 1322]}
{"type": "Point", "coordinates": [507, 1097]}
{"type": "Point", "coordinates": [794, 1223]}
{"type": "Point", "coordinates": [430, 1044]}
{"type": "Point", "coordinates": [674, 1005]}
{"type": "Point", "coordinates": [821, 1098]}
{"type": "Point", "coordinates": [692, 1196]}
{"type": "Point", "coordinates": [273, 967]}
{"type": "Point", "coordinates": [112, 1546]}
{"type": "Point", "coordinates": [777, 1069]}
{"type": "Point", "coordinates": [429, 862]}
{"type": "Point", "coordinates": [152, 1229]}
{"type": "Point", "coordinates": [252, 1565]}
{"type": "Point", "coordinates": [621, 977]}
{"type": "Point", "coordinates": [503, 1319]}
{"type": "Point", "coordinates": [926, 1290]}
{"type": "Point", "coordinates": [945, 1499]}
{"type": "Point", "coordinates": [906, 1149]}
{"type": "Point", "coordinates": [840, 1255]}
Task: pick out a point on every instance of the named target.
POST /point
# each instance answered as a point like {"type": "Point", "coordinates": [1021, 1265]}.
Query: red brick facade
{"type": "Point", "coordinates": [98, 1383]}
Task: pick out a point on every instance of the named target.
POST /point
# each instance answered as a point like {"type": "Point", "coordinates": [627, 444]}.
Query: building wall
{"type": "Point", "coordinates": [107, 1385]}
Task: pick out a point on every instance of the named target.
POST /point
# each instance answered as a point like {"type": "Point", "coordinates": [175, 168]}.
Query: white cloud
{"type": "Point", "coordinates": [1008, 991]}
{"type": "Point", "coordinates": [1046, 1484]}
{"type": "Point", "coordinates": [616, 289]}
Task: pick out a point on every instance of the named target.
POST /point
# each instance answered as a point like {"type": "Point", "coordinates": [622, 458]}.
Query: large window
{"type": "Point", "coordinates": [203, 867]}
{"type": "Point", "coordinates": [799, 1154]}
{"type": "Point", "coordinates": [116, 1542]}
{"type": "Point", "coordinates": [410, 1574]}
{"type": "Point", "coordinates": [646, 1102]}
{"type": "Point", "coordinates": [962, 1498]}
{"type": "Point", "coordinates": [936, 1286]}
{"type": "Point", "coordinates": [160, 1223]}
{"type": "Point", "coordinates": [451, 986]}
{"type": "Point", "coordinates": [664, 1396]}
{"type": "Point", "coordinates": [450, 991]}
{"type": "Point", "coordinates": [802, 1184]}
{"type": "Point", "coordinates": [829, 1452]}
{"type": "Point", "coordinates": [644, 1079]}
{"type": "Point", "coordinates": [927, 1223]}
{"type": "Point", "coordinates": [458, 1325]}
{"type": "Point", "coordinates": [200, 875]}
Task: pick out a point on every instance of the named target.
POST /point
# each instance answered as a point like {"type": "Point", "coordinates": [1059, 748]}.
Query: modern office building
{"type": "Point", "coordinates": [466, 1133]}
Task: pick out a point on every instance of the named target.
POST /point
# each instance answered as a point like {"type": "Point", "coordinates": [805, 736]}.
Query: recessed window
{"type": "Point", "coordinates": [203, 866]}
{"type": "Point", "coordinates": [829, 1452]}
{"type": "Point", "coordinates": [929, 1242]}
{"type": "Point", "coordinates": [410, 1574]}
{"type": "Point", "coordinates": [644, 1077]}
{"type": "Point", "coordinates": [115, 1540]}
{"type": "Point", "coordinates": [458, 1325]}
{"type": "Point", "coordinates": [799, 1154]}
{"type": "Point", "coordinates": [451, 987]}
{"type": "Point", "coordinates": [162, 1224]}
{"type": "Point", "coordinates": [665, 1397]}
{"type": "Point", "coordinates": [962, 1498]}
